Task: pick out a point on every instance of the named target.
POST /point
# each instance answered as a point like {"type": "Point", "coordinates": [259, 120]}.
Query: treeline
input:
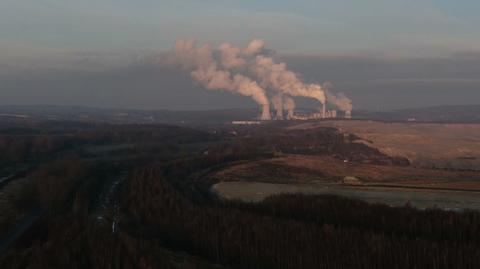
{"type": "Point", "coordinates": [47, 139]}
{"type": "Point", "coordinates": [162, 226]}
{"type": "Point", "coordinates": [77, 243]}
{"type": "Point", "coordinates": [272, 235]}
{"type": "Point", "coordinates": [318, 141]}
{"type": "Point", "coordinates": [55, 191]}
{"type": "Point", "coordinates": [15, 148]}
{"type": "Point", "coordinates": [68, 237]}
{"type": "Point", "coordinates": [53, 187]}
{"type": "Point", "coordinates": [68, 186]}
{"type": "Point", "coordinates": [429, 224]}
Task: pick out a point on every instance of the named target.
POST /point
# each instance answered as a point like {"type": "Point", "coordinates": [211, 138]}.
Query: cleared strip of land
{"type": "Point", "coordinates": [420, 198]}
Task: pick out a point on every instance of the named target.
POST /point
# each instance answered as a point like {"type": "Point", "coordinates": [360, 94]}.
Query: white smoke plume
{"type": "Point", "coordinates": [289, 106]}
{"type": "Point", "coordinates": [232, 68]}
{"type": "Point", "coordinates": [279, 78]}
{"type": "Point", "coordinates": [254, 47]}
{"type": "Point", "coordinates": [277, 102]}
{"type": "Point", "coordinates": [206, 70]}
{"type": "Point", "coordinates": [271, 75]}
{"type": "Point", "coordinates": [340, 100]}
{"type": "Point", "coordinates": [230, 56]}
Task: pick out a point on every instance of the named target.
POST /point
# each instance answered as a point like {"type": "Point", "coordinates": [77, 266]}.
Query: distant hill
{"type": "Point", "coordinates": [121, 116]}
{"type": "Point", "coordinates": [431, 114]}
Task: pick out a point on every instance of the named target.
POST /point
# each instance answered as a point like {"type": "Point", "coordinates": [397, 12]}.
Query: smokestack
{"type": "Point", "coordinates": [324, 111]}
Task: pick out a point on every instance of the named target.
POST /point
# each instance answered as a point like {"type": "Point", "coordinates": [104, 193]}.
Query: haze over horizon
{"type": "Point", "coordinates": [383, 54]}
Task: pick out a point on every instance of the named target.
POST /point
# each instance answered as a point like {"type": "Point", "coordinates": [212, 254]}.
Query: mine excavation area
{"type": "Point", "coordinates": [392, 185]}
{"type": "Point", "coordinates": [436, 145]}
{"type": "Point", "coordinates": [353, 160]}
{"type": "Point", "coordinates": [311, 169]}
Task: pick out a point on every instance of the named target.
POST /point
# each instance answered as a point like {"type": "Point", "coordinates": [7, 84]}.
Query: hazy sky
{"type": "Point", "coordinates": [307, 26]}
{"type": "Point", "coordinates": [427, 47]}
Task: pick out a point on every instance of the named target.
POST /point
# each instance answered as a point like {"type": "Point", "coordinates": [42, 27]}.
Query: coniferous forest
{"type": "Point", "coordinates": [136, 197]}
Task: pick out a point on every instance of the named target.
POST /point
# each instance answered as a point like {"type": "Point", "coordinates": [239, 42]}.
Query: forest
{"type": "Point", "coordinates": [128, 196]}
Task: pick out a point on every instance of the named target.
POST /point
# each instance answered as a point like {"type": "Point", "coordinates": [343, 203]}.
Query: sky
{"type": "Point", "coordinates": [423, 52]}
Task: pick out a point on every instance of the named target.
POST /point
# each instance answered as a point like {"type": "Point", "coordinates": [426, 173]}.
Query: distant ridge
{"type": "Point", "coordinates": [449, 114]}
{"type": "Point", "coordinates": [122, 116]}
{"type": "Point", "coordinates": [453, 113]}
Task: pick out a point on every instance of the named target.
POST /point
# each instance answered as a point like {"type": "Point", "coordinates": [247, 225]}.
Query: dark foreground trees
{"type": "Point", "coordinates": [168, 219]}
{"type": "Point", "coordinates": [77, 243]}
{"type": "Point", "coordinates": [161, 227]}
{"type": "Point", "coordinates": [300, 231]}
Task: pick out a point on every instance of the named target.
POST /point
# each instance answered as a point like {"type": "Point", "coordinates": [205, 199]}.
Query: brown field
{"type": "Point", "coordinates": [393, 185]}
{"type": "Point", "coordinates": [419, 198]}
{"type": "Point", "coordinates": [311, 169]}
{"type": "Point", "coordinates": [424, 144]}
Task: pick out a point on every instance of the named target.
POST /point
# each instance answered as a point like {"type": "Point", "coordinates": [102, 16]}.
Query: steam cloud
{"type": "Point", "coordinates": [289, 105]}
{"type": "Point", "coordinates": [277, 102]}
{"type": "Point", "coordinates": [205, 69]}
{"type": "Point", "coordinates": [340, 100]}
{"type": "Point", "coordinates": [250, 71]}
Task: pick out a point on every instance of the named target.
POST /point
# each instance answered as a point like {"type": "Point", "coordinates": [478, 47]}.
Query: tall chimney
{"type": "Point", "coordinates": [324, 110]}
